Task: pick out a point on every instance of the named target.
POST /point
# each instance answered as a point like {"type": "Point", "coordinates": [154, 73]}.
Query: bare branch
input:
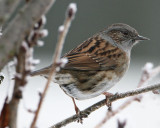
{"type": "Point", "coordinates": [115, 97]}
{"type": "Point", "coordinates": [63, 30]}
{"type": "Point", "coordinates": [20, 82]}
{"type": "Point", "coordinates": [25, 64]}
{"type": "Point", "coordinates": [148, 73]}
{"type": "Point", "coordinates": [20, 27]}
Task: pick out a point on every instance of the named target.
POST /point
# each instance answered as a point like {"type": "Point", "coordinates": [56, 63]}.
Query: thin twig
{"type": "Point", "coordinates": [115, 97]}
{"type": "Point", "coordinates": [111, 114]}
{"type": "Point", "coordinates": [62, 35]}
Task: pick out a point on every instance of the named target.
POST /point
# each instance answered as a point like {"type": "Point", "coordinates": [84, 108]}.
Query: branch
{"type": "Point", "coordinates": [7, 7]}
{"type": "Point", "coordinates": [4, 117]}
{"type": "Point", "coordinates": [25, 65]}
{"type": "Point", "coordinates": [20, 26]}
{"type": "Point", "coordinates": [147, 74]}
{"type": "Point", "coordinates": [117, 96]}
{"type": "Point", "coordinates": [63, 30]}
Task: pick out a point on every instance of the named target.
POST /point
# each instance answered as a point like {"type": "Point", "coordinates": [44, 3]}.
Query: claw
{"type": "Point", "coordinates": [80, 118]}
{"type": "Point", "coordinates": [78, 112]}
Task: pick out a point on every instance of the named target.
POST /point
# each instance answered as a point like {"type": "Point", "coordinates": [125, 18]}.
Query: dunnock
{"type": "Point", "coordinates": [97, 64]}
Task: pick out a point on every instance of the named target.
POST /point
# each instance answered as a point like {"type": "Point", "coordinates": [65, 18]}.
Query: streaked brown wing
{"type": "Point", "coordinates": [93, 54]}
{"type": "Point", "coordinates": [81, 61]}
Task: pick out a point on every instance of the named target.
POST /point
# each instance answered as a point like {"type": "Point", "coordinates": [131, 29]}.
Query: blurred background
{"type": "Point", "coordinates": [93, 16]}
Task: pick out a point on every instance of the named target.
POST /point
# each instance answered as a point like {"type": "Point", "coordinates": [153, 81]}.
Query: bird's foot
{"type": "Point", "coordinates": [108, 102]}
{"type": "Point", "coordinates": [78, 112]}
{"type": "Point", "coordinates": [79, 115]}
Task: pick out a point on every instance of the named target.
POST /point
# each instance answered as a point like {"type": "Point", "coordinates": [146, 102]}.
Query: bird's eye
{"type": "Point", "coordinates": [126, 33]}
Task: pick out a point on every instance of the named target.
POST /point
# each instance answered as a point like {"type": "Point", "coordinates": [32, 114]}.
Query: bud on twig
{"type": "Point", "coordinates": [72, 9]}
{"type": "Point", "coordinates": [40, 43]}
{"type": "Point", "coordinates": [61, 28]}
{"type": "Point", "coordinates": [43, 33]}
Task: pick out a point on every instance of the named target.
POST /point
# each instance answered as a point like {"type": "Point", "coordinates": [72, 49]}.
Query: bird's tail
{"type": "Point", "coordinates": [43, 71]}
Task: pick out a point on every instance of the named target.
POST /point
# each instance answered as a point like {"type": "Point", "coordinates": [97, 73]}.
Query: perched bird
{"type": "Point", "coordinates": [97, 64]}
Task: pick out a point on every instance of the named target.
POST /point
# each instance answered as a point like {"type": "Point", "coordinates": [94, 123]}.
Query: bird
{"type": "Point", "coordinates": [97, 64]}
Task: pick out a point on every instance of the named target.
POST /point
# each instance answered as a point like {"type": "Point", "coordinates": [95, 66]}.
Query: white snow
{"type": "Point", "coordinates": [44, 20]}
{"type": "Point", "coordinates": [148, 67]}
{"type": "Point", "coordinates": [18, 75]}
{"type": "Point", "coordinates": [73, 6]}
{"type": "Point", "coordinates": [35, 61]}
{"type": "Point", "coordinates": [24, 45]}
{"type": "Point", "coordinates": [40, 43]}
{"type": "Point", "coordinates": [43, 32]}
{"type": "Point", "coordinates": [63, 62]}
{"type": "Point", "coordinates": [1, 31]}
{"type": "Point", "coordinates": [61, 28]}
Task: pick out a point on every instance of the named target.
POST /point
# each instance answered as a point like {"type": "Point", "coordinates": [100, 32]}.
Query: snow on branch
{"type": "Point", "coordinates": [20, 26]}
{"type": "Point", "coordinates": [25, 65]}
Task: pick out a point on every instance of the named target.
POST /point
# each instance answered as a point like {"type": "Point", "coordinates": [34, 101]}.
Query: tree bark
{"type": "Point", "coordinates": [21, 26]}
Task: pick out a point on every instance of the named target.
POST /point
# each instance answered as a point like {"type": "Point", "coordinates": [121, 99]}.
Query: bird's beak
{"type": "Point", "coordinates": [139, 38]}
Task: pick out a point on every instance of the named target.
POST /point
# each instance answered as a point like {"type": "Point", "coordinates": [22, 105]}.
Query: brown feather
{"type": "Point", "coordinates": [94, 54]}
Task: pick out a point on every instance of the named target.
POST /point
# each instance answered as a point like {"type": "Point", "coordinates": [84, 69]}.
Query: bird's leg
{"type": "Point", "coordinates": [108, 102]}
{"type": "Point", "coordinates": [77, 111]}
{"type": "Point", "coordinates": [75, 106]}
